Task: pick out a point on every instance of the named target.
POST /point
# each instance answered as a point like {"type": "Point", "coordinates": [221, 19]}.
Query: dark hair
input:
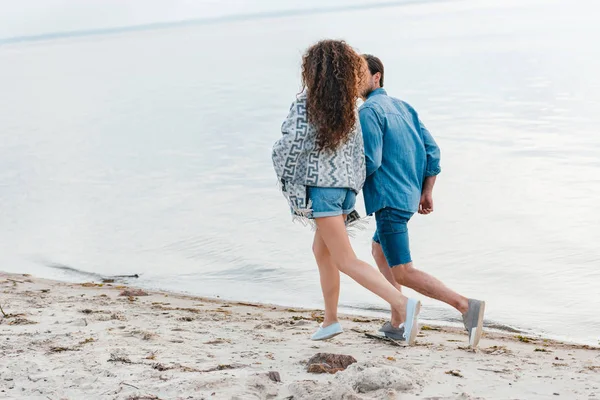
{"type": "Point", "coordinates": [331, 74]}
{"type": "Point", "coordinates": [375, 66]}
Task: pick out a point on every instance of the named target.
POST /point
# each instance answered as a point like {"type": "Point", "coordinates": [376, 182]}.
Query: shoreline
{"type": "Point", "coordinates": [349, 310]}
{"type": "Point", "coordinates": [85, 339]}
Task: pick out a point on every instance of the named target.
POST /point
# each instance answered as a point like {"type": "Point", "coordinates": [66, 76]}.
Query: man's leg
{"type": "Point", "coordinates": [393, 235]}
{"type": "Point", "coordinates": [385, 269]}
{"type": "Point", "coordinates": [383, 265]}
{"type": "Point", "coordinates": [407, 275]}
{"type": "Point", "coordinates": [471, 310]}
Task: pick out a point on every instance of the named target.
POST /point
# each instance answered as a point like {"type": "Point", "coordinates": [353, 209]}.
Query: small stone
{"type": "Point", "coordinates": [274, 376]}
{"type": "Point", "coordinates": [329, 363]}
{"type": "Point", "coordinates": [455, 372]}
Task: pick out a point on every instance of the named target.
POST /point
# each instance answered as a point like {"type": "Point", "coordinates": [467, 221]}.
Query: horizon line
{"type": "Point", "coordinates": [209, 21]}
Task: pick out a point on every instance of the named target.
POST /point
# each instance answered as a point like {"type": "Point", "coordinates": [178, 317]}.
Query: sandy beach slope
{"type": "Point", "coordinates": [87, 341]}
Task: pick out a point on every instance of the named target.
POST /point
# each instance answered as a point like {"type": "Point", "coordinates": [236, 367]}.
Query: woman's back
{"type": "Point", "coordinates": [302, 161]}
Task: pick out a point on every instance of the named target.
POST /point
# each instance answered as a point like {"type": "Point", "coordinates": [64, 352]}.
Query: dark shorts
{"type": "Point", "coordinates": [392, 235]}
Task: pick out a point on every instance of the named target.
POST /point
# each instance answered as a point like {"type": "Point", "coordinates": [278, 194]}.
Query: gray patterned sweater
{"type": "Point", "coordinates": [299, 164]}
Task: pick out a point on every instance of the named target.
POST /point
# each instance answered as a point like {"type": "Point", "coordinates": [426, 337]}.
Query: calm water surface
{"type": "Point", "coordinates": [149, 152]}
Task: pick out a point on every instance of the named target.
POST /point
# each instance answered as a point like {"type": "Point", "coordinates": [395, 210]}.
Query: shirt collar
{"type": "Point", "coordinates": [377, 92]}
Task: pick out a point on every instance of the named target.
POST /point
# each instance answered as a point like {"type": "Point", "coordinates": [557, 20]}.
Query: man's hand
{"type": "Point", "coordinates": [426, 204]}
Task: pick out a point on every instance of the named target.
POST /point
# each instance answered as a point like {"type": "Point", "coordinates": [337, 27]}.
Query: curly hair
{"type": "Point", "coordinates": [331, 74]}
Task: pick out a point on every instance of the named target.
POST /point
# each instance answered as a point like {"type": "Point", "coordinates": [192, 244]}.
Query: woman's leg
{"type": "Point", "coordinates": [330, 280]}
{"type": "Point", "coordinates": [333, 232]}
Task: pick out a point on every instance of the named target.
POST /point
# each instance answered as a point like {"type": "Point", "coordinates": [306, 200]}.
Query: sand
{"type": "Point", "coordinates": [86, 341]}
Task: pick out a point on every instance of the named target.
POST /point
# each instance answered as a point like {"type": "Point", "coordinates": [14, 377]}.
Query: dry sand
{"type": "Point", "coordinates": [85, 341]}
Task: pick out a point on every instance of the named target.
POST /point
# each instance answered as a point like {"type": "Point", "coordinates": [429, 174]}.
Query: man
{"type": "Point", "coordinates": [402, 161]}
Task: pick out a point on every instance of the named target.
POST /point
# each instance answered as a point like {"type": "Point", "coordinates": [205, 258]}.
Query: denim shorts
{"type": "Point", "coordinates": [331, 202]}
{"type": "Point", "coordinates": [392, 235]}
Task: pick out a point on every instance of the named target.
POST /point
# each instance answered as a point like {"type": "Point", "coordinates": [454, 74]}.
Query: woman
{"type": "Point", "coordinates": [320, 165]}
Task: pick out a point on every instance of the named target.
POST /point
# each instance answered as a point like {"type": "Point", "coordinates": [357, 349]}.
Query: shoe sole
{"type": "Point", "coordinates": [392, 336]}
{"type": "Point", "coordinates": [415, 327]}
{"type": "Point", "coordinates": [327, 337]}
{"type": "Point", "coordinates": [478, 331]}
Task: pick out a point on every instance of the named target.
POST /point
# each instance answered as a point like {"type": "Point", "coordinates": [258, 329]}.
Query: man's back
{"type": "Point", "coordinates": [402, 163]}
{"type": "Point", "coordinates": [399, 152]}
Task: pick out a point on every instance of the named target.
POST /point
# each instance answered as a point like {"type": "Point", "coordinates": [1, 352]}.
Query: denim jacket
{"type": "Point", "coordinates": [400, 152]}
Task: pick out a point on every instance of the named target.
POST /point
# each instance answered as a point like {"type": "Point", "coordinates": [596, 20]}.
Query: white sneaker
{"type": "Point", "coordinates": [328, 332]}
{"type": "Point", "coordinates": [411, 325]}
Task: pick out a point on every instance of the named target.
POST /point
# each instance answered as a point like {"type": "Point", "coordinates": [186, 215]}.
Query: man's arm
{"type": "Point", "coordinates": [431, 171]}
{"type": "Point", "coordinates": [371, 126]}
{"type": "Point", "coordinates": [433, 152]}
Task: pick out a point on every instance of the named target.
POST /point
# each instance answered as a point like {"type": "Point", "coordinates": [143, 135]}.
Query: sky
{"type": "Point", "coordinates": [39, 17]}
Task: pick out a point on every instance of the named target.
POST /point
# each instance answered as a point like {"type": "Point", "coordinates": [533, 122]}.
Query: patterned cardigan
{"type": "Point", "coordinates": [299, 164]}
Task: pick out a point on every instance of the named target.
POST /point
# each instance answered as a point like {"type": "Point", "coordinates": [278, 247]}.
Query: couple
{"type": "Point", "coordinates": [329, 151]}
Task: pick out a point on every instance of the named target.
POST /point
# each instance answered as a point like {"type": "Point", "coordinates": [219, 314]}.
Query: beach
{"type": "Point", "coordinates": [98, 340]}
{"type": "Point", "coordinates": [159, 163]}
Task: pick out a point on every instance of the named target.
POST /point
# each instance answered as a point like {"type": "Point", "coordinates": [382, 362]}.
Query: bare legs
{"type": "Point", "coordinates": [330, 280]}
{"type": "Point", "coordinates": [407, 275]}
{"type": "Point", "coordinates": [385, 269]}
{"type": "Point", "coordinates": [331, 231]}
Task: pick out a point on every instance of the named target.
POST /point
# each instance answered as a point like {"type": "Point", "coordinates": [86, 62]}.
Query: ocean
{"type": "Point", "coordinates": [147, 151]}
